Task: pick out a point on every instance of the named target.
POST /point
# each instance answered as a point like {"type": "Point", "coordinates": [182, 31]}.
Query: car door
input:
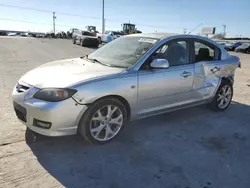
{"type": "Point", "coordinates": [208, 67]}
{"type": "Point", "coordinates": [160, 89]}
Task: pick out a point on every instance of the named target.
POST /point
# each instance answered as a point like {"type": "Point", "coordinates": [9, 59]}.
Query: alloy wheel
{"type": "Point", "coordinates": [106, 122]}
{"type": "Point", "coordinates": [224, 97]}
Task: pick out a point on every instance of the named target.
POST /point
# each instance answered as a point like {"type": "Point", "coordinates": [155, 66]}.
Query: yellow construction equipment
{"type": "Point", "coordinates": [128, 28]}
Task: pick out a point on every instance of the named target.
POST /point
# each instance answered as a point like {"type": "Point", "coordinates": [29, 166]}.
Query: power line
{"type": "Point", "coordinates": [77, 15]}
{"type": "Point", "coordinates": [40, 23]}
{"type": "Point", "coordinates": [27, 8]}
{"type": "Point", "coordinates": [7, 19]}
{"type": "Point", "coordinates": [195, 28]}
{"type": "Point", "coordinates": [48, 11]}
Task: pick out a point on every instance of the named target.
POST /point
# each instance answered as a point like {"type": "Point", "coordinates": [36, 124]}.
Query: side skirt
{"type": "Point", "coordinates": [173, 108]}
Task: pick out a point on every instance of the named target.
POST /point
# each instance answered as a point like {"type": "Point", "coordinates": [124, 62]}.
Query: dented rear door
{"type": "Point", "coordinates": [208, 75]}
{"type": "Point", "coordinates": [211, 65]}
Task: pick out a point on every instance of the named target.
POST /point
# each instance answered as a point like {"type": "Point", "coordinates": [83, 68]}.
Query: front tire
{"type": "Point", "coordinates": [223, 97]}
{"type": "Point", "coordinates": [103, 121]}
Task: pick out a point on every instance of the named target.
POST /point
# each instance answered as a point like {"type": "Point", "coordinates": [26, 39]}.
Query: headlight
{"type": "Point", "coordinates": [54, 95]}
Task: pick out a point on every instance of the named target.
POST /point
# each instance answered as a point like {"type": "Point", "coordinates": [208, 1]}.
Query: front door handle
{"type": "Point", "coordinates": [186, 74]}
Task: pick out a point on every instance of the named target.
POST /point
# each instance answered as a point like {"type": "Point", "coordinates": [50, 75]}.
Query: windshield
{"type": "Point", "coordinates": [124, 51]}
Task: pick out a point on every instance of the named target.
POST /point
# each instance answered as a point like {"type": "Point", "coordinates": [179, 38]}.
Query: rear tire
{"type": "Point", "coordinates": [223, 97]}
{"type": "Point", "coordinates": [98, 126]}
{"type": "Point", "coordinates": [97, 45]}
{"type": "Point", "coordinates": [74, 40]}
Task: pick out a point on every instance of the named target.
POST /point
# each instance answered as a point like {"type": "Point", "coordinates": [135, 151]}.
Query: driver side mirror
{"type": "Point", "coordinates": [159, 64]}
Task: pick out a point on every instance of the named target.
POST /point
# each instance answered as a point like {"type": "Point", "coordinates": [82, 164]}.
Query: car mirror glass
{"type": "Point", "coordinates": [159, 64]}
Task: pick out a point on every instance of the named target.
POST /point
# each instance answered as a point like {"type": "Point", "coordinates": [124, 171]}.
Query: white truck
{"type": "Point", "coordinates": [108, 36]}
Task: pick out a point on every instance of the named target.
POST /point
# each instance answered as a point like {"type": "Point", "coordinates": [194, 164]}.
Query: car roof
{"type": "Point", "coordinates": [162, 36]}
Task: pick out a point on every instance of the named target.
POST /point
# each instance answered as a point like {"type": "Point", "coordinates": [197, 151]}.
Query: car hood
{"type": "Point", "coordinates": [65, 73]}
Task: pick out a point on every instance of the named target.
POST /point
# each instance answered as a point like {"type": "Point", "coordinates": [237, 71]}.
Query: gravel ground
{"type": "Point", "coordinates": [192, 148]}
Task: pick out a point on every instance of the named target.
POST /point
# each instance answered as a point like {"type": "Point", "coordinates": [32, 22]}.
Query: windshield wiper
{"type": "Point", "coordinates": [118, 66]}
{"type": "Point", "coordinates": [97, 61]}
{"type": "Point", "coordinates": [104, 64]}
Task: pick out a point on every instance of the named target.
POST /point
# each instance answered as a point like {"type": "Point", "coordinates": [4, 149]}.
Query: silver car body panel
{"type": "Point", "coordinates": [157, 90]}
{"type": "Point", "coordinates": [147, 92]}
{"type": "Point", "coordinates": [53, 112]}
{"type": "Point", "coordinates": [64, 73]}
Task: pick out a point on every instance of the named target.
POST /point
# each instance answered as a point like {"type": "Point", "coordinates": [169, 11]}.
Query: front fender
{"type": "Point", "coordinates": [123, 86]}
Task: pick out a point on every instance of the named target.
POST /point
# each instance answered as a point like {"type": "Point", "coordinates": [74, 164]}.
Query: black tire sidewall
{"type": "Point", "coordinates": [84, 125]}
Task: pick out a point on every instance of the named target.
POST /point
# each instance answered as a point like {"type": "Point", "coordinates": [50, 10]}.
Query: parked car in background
{"type": "Point", "coordinates": [26, 34]}
{"type": "Point", "coordinates": [3, 33]}
{"type": "Point", "coordinates": [222, 43]}
{"type": "Point", "coordinates": [85, 38]}
{"type": "Point", "coordinates": [133, 77]}
{"type": "Point", "coordinates": [40, 35]}
{"type": "Point", "coordinates": [108, 36]}
{"type": "Point", "coordinates": [230, 46]}
{"type": "Point", "coordinates": [23, 34]}
{"type": "Point", "coordinates": [50, 35]}
{"type": "Point", "coordinates": [70, 32]}
{"type": "Point", "coordinates": [12, 34]}
{"type": "Point", "coordinates": [245, 48]}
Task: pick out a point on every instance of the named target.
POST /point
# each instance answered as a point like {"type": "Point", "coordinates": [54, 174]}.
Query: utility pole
{"type": "Point", "coordinates": [184, 30]}
{"type": "Point", "coordinates": [224, 30]}
{"type": "Point", "coordinates": [54, 23]}
{"type": "Point", "coordinates": [103, 21]}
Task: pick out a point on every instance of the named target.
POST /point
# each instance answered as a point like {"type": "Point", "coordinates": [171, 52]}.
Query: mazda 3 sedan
{"type": "Point", "coordinates": [132, 77]}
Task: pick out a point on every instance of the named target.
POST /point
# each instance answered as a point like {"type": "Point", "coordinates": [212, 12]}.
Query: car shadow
{"type": "Point", "coordinates": [131, 159]}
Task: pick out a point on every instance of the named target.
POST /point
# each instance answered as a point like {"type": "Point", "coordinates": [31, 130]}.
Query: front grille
{"type": "Point", "coordinates": [20, 112]}
{"type": "Point", "coordinates": [21, 88]}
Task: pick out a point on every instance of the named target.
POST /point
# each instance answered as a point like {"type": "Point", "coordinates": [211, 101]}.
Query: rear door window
{"type": "Point", "coordinates": [204, 51]}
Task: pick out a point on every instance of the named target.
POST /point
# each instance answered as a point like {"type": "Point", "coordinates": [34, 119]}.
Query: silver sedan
{"type": "Point", "coordinates": [132, 77]}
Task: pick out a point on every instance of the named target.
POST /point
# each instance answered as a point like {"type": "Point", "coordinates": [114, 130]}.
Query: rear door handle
{"type": "Point", "coordinates": [186, 74]}
{"type": "Point", "coordinates": [215, 69]}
